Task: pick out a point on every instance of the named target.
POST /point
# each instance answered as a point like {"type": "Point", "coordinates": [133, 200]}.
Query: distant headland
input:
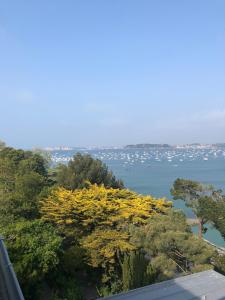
{"type": "Point", "coordinates": [147, 146]}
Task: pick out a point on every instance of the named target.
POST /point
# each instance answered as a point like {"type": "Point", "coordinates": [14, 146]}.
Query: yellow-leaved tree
{"type": "Point", "coordinates": [97, 219]}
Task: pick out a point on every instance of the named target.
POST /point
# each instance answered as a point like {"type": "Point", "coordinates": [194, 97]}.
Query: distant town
{"type": "Point", "coordinates": [179, 146]}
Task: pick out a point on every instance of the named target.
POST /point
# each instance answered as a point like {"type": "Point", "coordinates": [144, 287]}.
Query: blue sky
{"type": "Point", "coordinates": [112, 72]}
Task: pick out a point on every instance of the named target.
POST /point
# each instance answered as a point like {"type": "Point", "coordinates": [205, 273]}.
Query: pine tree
{"type": "Point", "coordinates": [136, 271]}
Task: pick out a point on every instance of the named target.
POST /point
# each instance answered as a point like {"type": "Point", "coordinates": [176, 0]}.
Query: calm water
{"type": "Point", "coordinates": [154, 171]}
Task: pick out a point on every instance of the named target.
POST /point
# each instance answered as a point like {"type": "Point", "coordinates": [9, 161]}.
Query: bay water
{"type": "Point", "coordinates": [153, 171]}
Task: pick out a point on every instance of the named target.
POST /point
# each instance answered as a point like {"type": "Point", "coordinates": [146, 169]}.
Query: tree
{"type": "Point", "coordinates": [192, 192]}
{"type": "Point", "coordinates": [219, 263]}
{"type": "Point", "coordinates": [23, 178]}
{"type": "Point", "coordinates": [45, 154]}
{"type": "Point", "coordinates": [2, 144]}
{"type": "Point", "coordinates": [99, 207]}
{"type": "Point", "coordinates": [28, 188]}
{"type": "Point", "coordinates": [171, 246]}
{"type": "Point", "coordinates": [97, 219]}
{"type": "Point", "coordinates": [83, 168]}
{"type": "Point", "coordinates": [34, 248]}
{"type": "Point", "coordinates": [26, 160]}
{"type": "Point", "coordinates": [136, 271]}
{"type": "Point", "coordinates": [213, 209]}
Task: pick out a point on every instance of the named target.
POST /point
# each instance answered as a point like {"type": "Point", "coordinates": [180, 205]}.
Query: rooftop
{"type": "Point", "coordinates": [207, 285]}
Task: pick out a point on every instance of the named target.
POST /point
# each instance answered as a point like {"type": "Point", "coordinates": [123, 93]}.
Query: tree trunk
{"type": "Point", "coordinates": [200, 228]}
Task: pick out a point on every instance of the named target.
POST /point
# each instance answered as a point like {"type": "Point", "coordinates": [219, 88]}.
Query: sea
{"type": "Point", "coordinates": [153, 171]}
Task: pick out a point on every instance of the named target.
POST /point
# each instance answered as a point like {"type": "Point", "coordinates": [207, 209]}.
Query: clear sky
{"type": "Point", "coordinates": [111, 72]}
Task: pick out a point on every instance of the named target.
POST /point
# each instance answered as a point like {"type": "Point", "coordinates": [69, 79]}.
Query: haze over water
{"type": "Point", "coordinates": [154, 171]}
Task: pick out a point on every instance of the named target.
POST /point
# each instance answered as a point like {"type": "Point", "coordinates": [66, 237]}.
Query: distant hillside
{"type": "Point", "coordinates": [147, 146]}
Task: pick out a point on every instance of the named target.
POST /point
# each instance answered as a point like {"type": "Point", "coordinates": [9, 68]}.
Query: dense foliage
{"type": "Point", "coordinates": [2, 144]}
{"type": "Point", "coordinates": [33, 245]}
{"type": "Point", "coordinates": [23, 178]}
{"type": "Point", "coordinates": [209, 206]}
{"type": "Point", "coordinates": [192, 193]}
{"type": "Point", "coordinates": [213, 210]}
{"type": "Point", "coordinates": [82, 169]}
{"type": "Point", "coordinates": [97, 220]}
{"type": "Point", "coordinates": [73, 228]}
{"type": "Point", "coordinates": [168, 241]}
{"type": "Point", "coordinates": [34, 249]}
{"type": "Point", "coordinates": [137, 271]}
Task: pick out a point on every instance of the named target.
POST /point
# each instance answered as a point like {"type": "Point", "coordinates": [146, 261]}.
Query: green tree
{"type": "Point", "coordinates": [83, 168]}
{"type": "Point", "coordinates": [67, 289]}
{"type": "Point", "coordinates": [192, 192]}
{"type": "Point", "coordinates": [23, 178]}
{"type": "Point", "coordinates": [219, 263]}
{"type": "Point", "coordinates": [213, 209]}
{"type": "Point", "coordinates": [34, 248]}
{"type": "Point", "coordinates": [26, 160]}
{"type": "Point", "coordinates": [2, 144]}
{"type": "Point", "coordinates": [28, 188]}
{"type": "Point", "coordinates": [136, 271]}
{"type": "Point", "coordinates": [171, 246]}
{"type": "Point", "coordinates": [44, 154]}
